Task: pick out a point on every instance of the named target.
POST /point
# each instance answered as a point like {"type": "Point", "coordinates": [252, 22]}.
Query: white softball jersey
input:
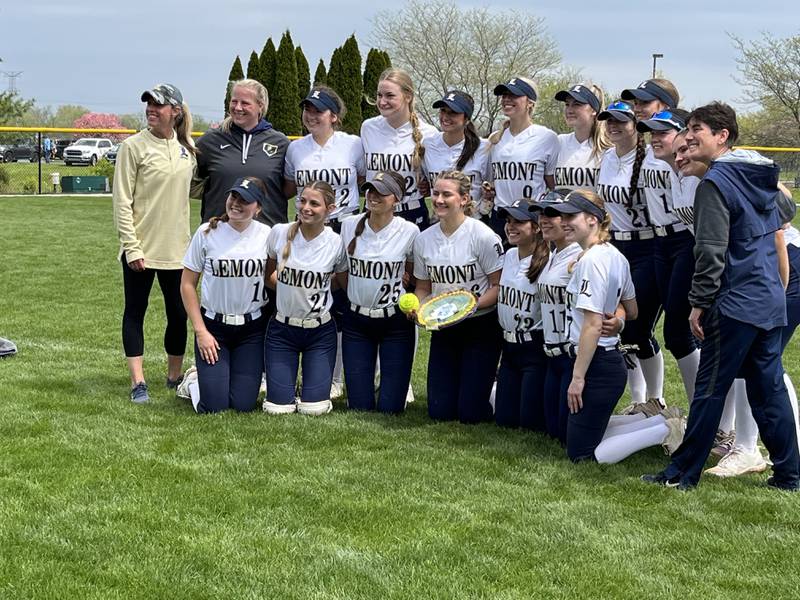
{"type": "Point", "coordinates": [232, 265]}
{"type": "Point", "coordinates": [576, 168]}
{"type": "Point", "coordinates": [552, 293]}
{"type": "Point", "coordinates": [462, 261]}
{"type": "Point", "coordinates": [613, 183]}
{"type": "Point", "coordinates": [683, 189]}
{"type": "Point", "coordinates": [520, 162]}
{"type": "Point", "coordinates": [600, 280]}
{"type": "Point", "coordinates": [304, 282]}
{"type": "Point", "coordinates": [376, 267]}
{"type": "Point", "coordinates": [656, 178]}
{"type": "Point", "coordinates": [791, 236]}
{"type": "Point", "coordinates": [390, 149]}
{"type": "Point", "coordinates": [440, 157]}
{"type": "Point", "coordinates": [339, 162]}
{"type": "Point", "coordinates": [518, 307]}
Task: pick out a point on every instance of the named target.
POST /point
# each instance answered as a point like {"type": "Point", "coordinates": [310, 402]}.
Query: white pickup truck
{"type": "Point", "coordinates": [87, 150]}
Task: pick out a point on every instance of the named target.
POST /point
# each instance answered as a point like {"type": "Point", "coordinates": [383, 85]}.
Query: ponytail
{"type": "Point", "coordinates": [637, 167]}
{"type": "Point", "coordinates": [214, 221]}
{"type": "Point", "coordinates": [287, 248]}
{"type": "Point", "coordinates": [416, 135]}
{"type": "Point", "coordinates": [472, 142]}
{"type": "Point", "coordinates": [497, 135]}
{"type": "Point", "coordinates": [362, 223]}
{"type": "Point", "coordinates": [183, 129]}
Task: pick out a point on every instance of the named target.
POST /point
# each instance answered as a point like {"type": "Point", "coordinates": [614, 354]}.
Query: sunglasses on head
{"type": "Point", "coordinates": [620, 106]}
{"type": "Point", "coordinates": [670, 118]}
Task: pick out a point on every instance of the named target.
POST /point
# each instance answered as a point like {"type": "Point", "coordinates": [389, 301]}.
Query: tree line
{"type": "Point", "coordinates": [285, 72]}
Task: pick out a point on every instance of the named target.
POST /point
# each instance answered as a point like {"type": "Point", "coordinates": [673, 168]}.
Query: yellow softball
{"type": "Point", "coordinates": [408, 302]}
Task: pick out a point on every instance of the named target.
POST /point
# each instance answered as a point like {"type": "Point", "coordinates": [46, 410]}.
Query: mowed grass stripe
{"type": "Point", "coordinates": [100, 498]}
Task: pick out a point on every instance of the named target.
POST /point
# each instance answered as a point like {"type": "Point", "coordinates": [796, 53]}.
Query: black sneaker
{"type": "Point", "coordinates": [663, 480]}
{"type": "Point", "coordinates": [172, 384]}
{"type": "Point", "coordinates": [782, 486]}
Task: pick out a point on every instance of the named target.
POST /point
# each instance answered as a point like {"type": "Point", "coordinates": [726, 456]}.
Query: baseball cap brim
{"type": "Point", "coordinates": [514, 90]}
{"type": "Point", "coordinates": [383, 187]}
{"type": "Point", "coordinates": [616, 115]}
{"type": "Point", "coordinates": [451, 104]}
{"type": "Point", "coordinates": [638, 94]}
{"type": "Point", "coordinates": [319, 104]}
{"type": "Point", "coordinates": [157, 97]}
{"type": "Point", "coordinates": [516, 212]}
{"type": "Point", "coordinates": [248, 194]}
{"type": "Point", "coordinates": [576, 204]}
{"type": "Point", "coordinates": [654, 125]}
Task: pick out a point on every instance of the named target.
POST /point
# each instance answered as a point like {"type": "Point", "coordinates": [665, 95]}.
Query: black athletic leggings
{"type": "Point", "coordinates": [137, 286]}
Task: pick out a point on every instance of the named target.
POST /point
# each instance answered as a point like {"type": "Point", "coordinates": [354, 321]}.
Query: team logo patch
{"type": "Point", "coordinates": [184, 153]}
{"type": "Point", "coordinates": [451, 97]}
{"type": "Point", "coordinates": [585, 289]}
{"type": "Point", "coordinates": [269, 149]}
{"type": "Point", "coordinates": [499, 249]}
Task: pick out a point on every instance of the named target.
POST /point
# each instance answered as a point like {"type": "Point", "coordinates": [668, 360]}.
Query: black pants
{"type": "Point", "coordinates": [137, 286]}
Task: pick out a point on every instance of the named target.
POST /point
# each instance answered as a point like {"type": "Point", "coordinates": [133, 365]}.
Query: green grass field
{"type": "Point", "coordinates": [23, 177]}
{"type": "Point", "coordinates": [100, 498]}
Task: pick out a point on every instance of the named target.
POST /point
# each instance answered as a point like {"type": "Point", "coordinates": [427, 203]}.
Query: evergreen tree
{"type": "Point", "coordinates": [345, 78]}
{"type": "Point", "coordinates": [320, 75]}
{"type": "Point", "coordinates": [235, 75]}
{"type": "Point", "coordinates": [283, 106]}
{"type": "Point", "coordinates": [377, 63]}
{"type": "Point", "coordinates": [267, 63]}
{"type": "Point", "coordinates": [254, 67]}
{"type": "Point", "coordinates": [303, 74]}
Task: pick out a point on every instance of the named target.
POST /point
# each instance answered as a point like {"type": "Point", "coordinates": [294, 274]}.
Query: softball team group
{"type": "Point", "coordinates": [573, 244]}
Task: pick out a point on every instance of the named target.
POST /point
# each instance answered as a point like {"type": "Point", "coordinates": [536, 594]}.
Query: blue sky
{"type": "Point", "coordinates": [103, 54]}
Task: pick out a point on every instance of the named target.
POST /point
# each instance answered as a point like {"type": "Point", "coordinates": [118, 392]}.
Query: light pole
{"type": "Point", "coordinates": [655, 58]}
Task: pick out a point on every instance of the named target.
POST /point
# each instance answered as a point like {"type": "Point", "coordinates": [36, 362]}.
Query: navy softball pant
{"type": "Point", "coordinates": [641, 331]}
{"type": "Point", "coordinates": [419, 216]}
{"type": "Point", "coordinates": [363, 340]}
{"type": "Point", "coordinates": [519, 399]}
{"type": "Point", "coordinates": [733, 349]}
{"type": "Point", "coordinates": [556, 411]}
{"type": "Point", "coordinates": [792, 297]}
{"type": "Point", "coordinates": [674, 268]}
{"type": "Point", "coordinates": [235, 379]}
{"type": "Point", "coordinates": [462, 364]}
{"type": "Point", "coordinates": [283, 346]}
{"type": "Point", "coordinates": [605, 382]}
{"type": "Point", "coordinates": [137, 286]}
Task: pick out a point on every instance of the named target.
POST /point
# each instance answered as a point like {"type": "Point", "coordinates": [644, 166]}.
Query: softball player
{"type": "Point", "coordinates": [380, 254]}
{"type": "Point", "coordinates": [519, 399]}
{"type": "Point", "coordinates": [601, 279]}
{"type": "Point", "coordinates": [522, 155]}
{"type": "Point", "coordinates": [230, 252]}
{"type": "Point", "coordinates": [458, 146]}
{"type": "Point", "coordinates": [303, 258]}
{"type": "Point", "coordinates": [674, 242]}
{"type": "Point", "coordinates": [326, 154]}
{"type": "Point", "coordinates": [580, 151]}
{"type": "Point", "coordinates": [393, 141]}
{"type": "Point", "coordinates": [684, 183]}
{"type": "Point", "coordinates": [620, 186]}
{"type": "Point", "coordinates": [460, 253]}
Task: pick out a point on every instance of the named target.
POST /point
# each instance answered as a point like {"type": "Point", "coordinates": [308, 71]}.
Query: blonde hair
{"type": "Point", "coordinates": [260, 92]}
{"type": "Point", "coordinates": [495, 137]}
{"type": "Point", "coordinates": [403, 80]}
{"type": "Point", "coordinates": [598, 135]}
{"type": "Point", "coordinates": [464, 187]}
{"type": "Point", "coordinates": [328, 195]}
{"type": "Point", "coordinates": [668, 87]}
{"type": "Point", "coordinates": [604, 226]}
{"type": "Point", "coordinates": [183, 129]}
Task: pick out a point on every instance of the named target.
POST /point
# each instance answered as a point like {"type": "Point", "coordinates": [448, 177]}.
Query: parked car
{"type": "Point", "coordinates": [59, 146]}
{"type": "Point", "coordinates": [19, 150]}
{"type": "Point", "coordinates": [111, 155]}
{"type": "Point", "coordinates": [87, 151]}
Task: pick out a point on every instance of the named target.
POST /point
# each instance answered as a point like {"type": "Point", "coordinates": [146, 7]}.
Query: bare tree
{"type": "Point", "coordinates": [769, 71]}
{"type": "Point", "coordinates": [444, 47]}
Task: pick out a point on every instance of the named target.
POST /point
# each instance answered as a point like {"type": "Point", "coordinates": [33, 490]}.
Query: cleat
{"type": "Point", "coordinates": [650, 408]}
{"type": "Point", "coordinates": [723, 443]}
{"type": "Point", "coordinates": [182, 390]}
{"type": "Point", "coordinates": [278, 409]}
{"type": "Point", "coordinates": [321, 407]}
{"type": "Point", "coordinates": [737, 462]}
{"type": "Point", "coordinates": [677, 428]}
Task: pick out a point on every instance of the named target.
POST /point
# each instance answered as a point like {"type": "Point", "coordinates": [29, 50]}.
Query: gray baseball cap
{"type": "Point", "coordinates": [386, 183]}
{"type": "Point", "coordinates": [164, 93]}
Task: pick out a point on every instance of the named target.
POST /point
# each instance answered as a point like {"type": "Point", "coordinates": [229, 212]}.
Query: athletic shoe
{"type": "Point", "coordinates": [182, 391]}
{"type": "Point", "coordinates": [650, 408]}
{"type": "Point", "coordinates": [677, 427]}
{"type": "Point", "coordinates": [781, 486]}
{"type": "Point", "coordinates": [663, 480]}
{"type": "Point", "coordinates": [278, 409]}
{"type": "Point", "coordinates": [322, 407]}
{"type": "Point", "coordinates": [723, 443]}
{"type": "Point", "coordinates": [172, 384]}
{"type": "Point", "coordinates": [337, 389]}
{"type": "Point", "coordinates": [7, 348]}
{"type": "Point", "coordinates": [139, 393]}
{"type": "Point", "coordinates": [672, 412]}
{"type": "Point", "coordinates": [738, 462]}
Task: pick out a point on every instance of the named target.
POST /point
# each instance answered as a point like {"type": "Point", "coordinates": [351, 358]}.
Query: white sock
{"type": "Point", "coordinates": [337, 367]}
{"type": "Point", "coordinates": [493, 394]}
{"type": "Point", "coordinates": [793, 399]}
{"type": "Point", "coordinates": [194, 392]}
{"type": "Point", "coordinates": [729, 410]}
{"type": "Point", "coordinates": [653, 369]}
{"type": "Point", "coordinates": [622, 419]}
{"type": "Point", "coordinates": [744, 423]}
{"type": "Point", "coordinates": [618, 447]}
{"type": "Point", "coordinates": [636, 384]}
{"type": "Point", "coordinates": [688, 367]}
{"type": "Point", "coordinates": [621, 428]}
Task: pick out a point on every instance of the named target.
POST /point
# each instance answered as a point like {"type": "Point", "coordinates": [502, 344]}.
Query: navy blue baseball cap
{"type": "Point", "coordinates": [575, 203]}
{"type": "Point", "coordinates": [248, 191]}
{"type": "Point", "coordinates": [516, 87]}
{"type": "Point", "coordinates": [520, 211]}
{"type": "Point", "coordinates": [164, 93]}
{"type": "Point", "coordinates": [618, 111]}
{"type": "Point", "coordinates": [321, 100]}
{"type": "Point", "coordinates": [662, 121]}
{"type": "Point", "coordinates": [457, 102]}
{"type": "Point", "coordinates": [580, 93]}
{"type": "Point", "coordinates": [648, 91]}
{"type": "Point", "coordinates": [549, 198]}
